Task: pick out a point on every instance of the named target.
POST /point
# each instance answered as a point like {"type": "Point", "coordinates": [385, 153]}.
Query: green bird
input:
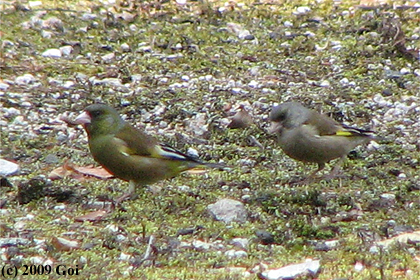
{"type": "Point", "coordinates": [308, 136]}
{"type": "Point", "coordinates": [129, 153]}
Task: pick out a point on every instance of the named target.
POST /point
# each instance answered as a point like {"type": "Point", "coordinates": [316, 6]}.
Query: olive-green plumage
{"type": "Point", "coordinates": [128, 153]}
{"type": "Point", "coordinates": [308, 136]}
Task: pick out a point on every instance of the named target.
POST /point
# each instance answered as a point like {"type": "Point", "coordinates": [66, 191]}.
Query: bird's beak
{"type": "Point", "coordinates": [83, 118]}
{"type": "Point", "coordinates": [275, 127]}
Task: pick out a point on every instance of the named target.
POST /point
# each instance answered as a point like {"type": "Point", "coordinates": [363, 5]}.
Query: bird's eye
{"type": "Point", "coordinates": [282, 116]}
{"type": "Point", "coordinates": [95, 113]}
{"type": "Point", "coordinates": [279, 117]}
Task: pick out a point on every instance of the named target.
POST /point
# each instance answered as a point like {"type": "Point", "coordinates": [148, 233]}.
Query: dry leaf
{"type": "Point", "coordinates": [98, 172]}
{"type": "Point", "coordinates": [92, 216]}
{"type": "Point", "coordinates": [196, 171]}
{"type": "Point", "coordinates": [63, 244]}
{"type": "Point", "coordinates": [61, 172]}
{"type": "Point", "coordinates": [80, 173]}
{"type": "Point", "coordinates": [404, 238]}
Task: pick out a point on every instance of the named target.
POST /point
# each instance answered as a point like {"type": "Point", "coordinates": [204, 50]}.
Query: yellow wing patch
{"type": "Point", "coordinates": [344, 133]}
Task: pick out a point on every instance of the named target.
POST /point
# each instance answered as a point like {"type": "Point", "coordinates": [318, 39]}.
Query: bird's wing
{"type": "Point", "coordinates": [132, 141]}
{"type": "Point", "coordinates": [352, 131]}
{"type": "Point", "coordinates": [327, 126]}
{"type": "Point", "coordinates": [167, 152]}
{"type": "Point", "coordinates": [322, 124]}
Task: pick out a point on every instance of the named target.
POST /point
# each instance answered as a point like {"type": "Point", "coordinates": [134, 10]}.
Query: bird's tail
{"type": "Point", "coordinates": [220, 166]}
{"type": "Point", "coordinates": [352, 131]}
{"type": "Point", "coordinates": [167, 152]}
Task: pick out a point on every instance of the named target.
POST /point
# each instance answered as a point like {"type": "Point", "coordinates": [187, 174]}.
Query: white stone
{"type": "Point", "coordinates": [25, 79]}
{"type": "Point", "coordinates": [66, 50]}
{"type": "Point", "coordinates": [46, 34]}
{"type": "Point", "coordinates": [37, 260]}
{"type": "Point", "coordinates": [184, 188]}
{"type": "Point", "coordinates": [125, 47]}
{"type": "Point", "coordinates": [89, 16]}
{"type": "Point", "coordinates": [405, 71]}
{"type": "Point", "coordinates": [112, 228]}
{"type": "Point", "coordinates": [309, 34]}
{"type": "Point", "coordinates": [108, 57]}
{"type": "Point", "coordinates": [388, 196]}
{"type": "Point", "coordinates": [324, 83]}
{"type": "Point", "coordinates": [7, 167]}
{"type": "Point", "coordinates": [253, 84]}
{"type": "Point", "coordinates": [292, 271]}
{"type": "Point", "coordinates": [60, 207]}
{"type": "Point", "coordinates": [288, 24]}
{"type": "Point", "coordinates": [236, 254]}
{"type": "Point", "coordinates": [52, 53]}
{"type": "Point", "coordinates": [68, 84]}
{"type": "Point", "coordinates": [344, 81]}
{"type": "Point", "coordinates": [107, 81]}
{"type": "Point", "coordinates": [240, 242]}
{"type": "Point", "coordinates": [3, 86]}
{"type": "Point", "coordinates": [120, 238]}
{"type": "Point", "coordinates": [124, 257]}
{"type": "Point", "coordinates": [192, 152]}
{"type": "Point", "coordinates": [358, 266]}
{"type": "Point", "coordinates": [336, 47]}
{"type": "Point", "coordinates": [236, 90]}
{"type": "Point", "coordinates": [33, 4]}
{"type": "Point", "coordinates": [136, 77]}
{"type": "Point", "coordinates": [302, 10]}
{"type": "Point", "coordinates": [200, 245]}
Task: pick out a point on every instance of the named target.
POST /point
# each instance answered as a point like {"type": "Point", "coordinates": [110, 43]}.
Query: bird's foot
{"type": "Point", "coordinates": [301, 181]}
{"type": "Point", "coordinates": [125, 196]}
{"type": "Point", "coordinates": [329, 177]}
{"type": "Point", "coordinates": [334, 174]}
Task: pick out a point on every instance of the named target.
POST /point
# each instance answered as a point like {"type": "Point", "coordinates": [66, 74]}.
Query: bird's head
{"type": "Point", "coordinates": [287, 115]}
{"type": "Point", "coordinates": [99, 119]}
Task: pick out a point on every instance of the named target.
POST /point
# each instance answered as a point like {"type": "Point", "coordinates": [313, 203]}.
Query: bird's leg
{"type": "Point", "coordinates": [320, 167]}
{"type": "Point", "coordinates": [335, 170]}
{"type": "Point", "coordinates": [129, 194]}
{"type": "Point", "coordinates": [311, 177]}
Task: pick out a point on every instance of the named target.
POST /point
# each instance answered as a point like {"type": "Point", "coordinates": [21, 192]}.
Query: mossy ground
{"type": "Point", "coordinates": [297, 216]}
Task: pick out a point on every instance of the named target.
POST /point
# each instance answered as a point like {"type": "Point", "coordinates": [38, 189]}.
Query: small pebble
{"type": "Point", "coordinates": [344, 81]}
{"type": "Point", "coordinates": [324, 84]}
{"type": "Point", "coordinates": [25, 79]}
{"type": "Point", "coordinates": [405, 71]}
{"type": "Point", "coordinates": [125, 47]}
{"type": "Point", "coordinates": [302, 10]}
{"type": "Point", "coordinates": [236, 254]}
{"type": "Point", "coordinates": [124, 257]}
{"type": "Point", "coordinates": [8, 168]}
{"type": "Point", "coordinates": [89, 16]}
{"type": "Point", "coordinates": [192, 152]}
{"type": "Point", "coordinates": [52, 53]}
{"type": "Point", "coordinates": [288, 24]}
{"type": "Point", "coordinates": [66, 50]}
{"type": "Point", "coordinates": [3, 86]}
{"type": "Point", "coordinates": [46, 34]}
{"type": "Point", "coordinates": [34, 4]}
{"type": "Point", "coordinates": [108, 57]}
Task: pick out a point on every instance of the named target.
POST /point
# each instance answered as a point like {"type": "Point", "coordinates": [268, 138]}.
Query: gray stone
{"type": "Point", "coordinates": [228, 210]}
